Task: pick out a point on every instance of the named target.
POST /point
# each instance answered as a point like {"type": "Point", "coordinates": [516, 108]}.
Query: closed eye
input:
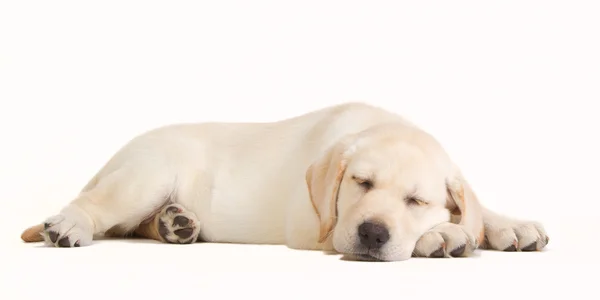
{"type": "Point", "coordinates": [365, 184]}
{"type": "Point", "coordinates": [414, 200]}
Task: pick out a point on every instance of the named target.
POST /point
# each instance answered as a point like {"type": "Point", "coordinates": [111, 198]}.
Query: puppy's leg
{"type": "Point", "coordinates": [509, 234]}
{"type": "Point", "coordinates": [173, 224]}
{"type": "Point", "coordinates": [500, 233]}
{"type": "Point", "coordinates": [118, 201]}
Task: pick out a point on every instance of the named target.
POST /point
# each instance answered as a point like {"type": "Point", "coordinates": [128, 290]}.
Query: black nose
{"type": "Point", "coordinates": [373, 235]}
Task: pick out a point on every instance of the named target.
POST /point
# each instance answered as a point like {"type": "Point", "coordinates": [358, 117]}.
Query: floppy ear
{"type": "Point", "coordinates": [323, 178]}
{"type": "Point", "coordinates": [464, 206]}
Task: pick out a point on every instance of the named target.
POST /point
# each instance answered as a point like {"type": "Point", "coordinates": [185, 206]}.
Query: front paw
{"type": "Point", "coordinates": [445, 240]}
{"type": "Point", "coordinates": [515, 236]}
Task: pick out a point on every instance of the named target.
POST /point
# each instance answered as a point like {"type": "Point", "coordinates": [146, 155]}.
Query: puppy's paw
{"type": "Point", "coordinates": [66, 231]}
{"type": "Point", "coordinates": [177, 225]}
{"type": "Point", "coordinates": [445, 240]}
{"type": "Point", "coordinates": [515, 236]}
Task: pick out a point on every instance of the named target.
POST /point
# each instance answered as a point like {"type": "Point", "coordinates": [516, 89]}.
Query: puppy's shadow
{"type": "Point", "coordinates": [346, 257]}
{"type": "Point", "coordinates": [115, 240]}
{"type": "Point", "coordinates": [133, 240]}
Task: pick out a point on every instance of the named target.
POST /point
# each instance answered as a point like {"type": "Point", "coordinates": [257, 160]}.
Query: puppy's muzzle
{"type": "Point", "coordinates": [373, 235]}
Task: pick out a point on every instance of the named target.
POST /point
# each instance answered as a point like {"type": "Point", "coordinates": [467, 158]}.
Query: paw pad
{"type": "Point", "coordinates": [439, 253]}
{"type": "Point", "coordinates": [177, 225]}
{"type": "Point", "coordinates": [66, 231]}
{"type": "Point", "coordinates": [530, 247]}
{"type": "Point", "coordinates": [458, 251]}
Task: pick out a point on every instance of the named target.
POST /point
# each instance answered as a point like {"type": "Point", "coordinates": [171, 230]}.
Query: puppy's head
{"type": "Point", "coordinates": [378, 191]}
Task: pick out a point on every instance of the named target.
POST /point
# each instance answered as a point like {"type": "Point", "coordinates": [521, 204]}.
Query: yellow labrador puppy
{"type": "Point", "coordinates": [351, 178]}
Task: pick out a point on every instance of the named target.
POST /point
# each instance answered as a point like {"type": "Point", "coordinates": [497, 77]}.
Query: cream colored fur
{"type": "Point", "coordinates": [298, 182]}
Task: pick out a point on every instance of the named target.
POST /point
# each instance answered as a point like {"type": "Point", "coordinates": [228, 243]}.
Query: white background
{"type": "Point", "coordinates": [510, 88]}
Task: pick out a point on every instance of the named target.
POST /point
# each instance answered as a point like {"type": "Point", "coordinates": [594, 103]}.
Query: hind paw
{"type": "Point", "coordinates": [177, 225]}
{"type": "Point", "coordinates": [66, 231]}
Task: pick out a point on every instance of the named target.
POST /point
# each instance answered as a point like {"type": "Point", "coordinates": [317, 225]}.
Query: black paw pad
{"type": "Point", "coordinates": [64, 242]}
{"type": "Point", "coordinates": [437, 253]}
{"type": "Point", "coordinates": [53, 236]}
{"type": "Point", "coordinates": [530, 247]}
{"type": "Point", "coordinates": [47, 225]}
{"type": "Point", "coordinates": [162, 229]}
{"type": "Point", "coordinates": [77, 244]}
{"type": "Point", "coordinates": [184, 233]}
{"type": "Point", "coordinates": [173, 209]}
{"type": "Point", "coordinates": [511, 248]}
{"type": "Point", "coordinates": [181, 221]}
{"type": "Point", "coordinates": [458, 251]}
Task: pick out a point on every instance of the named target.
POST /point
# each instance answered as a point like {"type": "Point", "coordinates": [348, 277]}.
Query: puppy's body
{"type": "Point", "coordinates": [244, 181]}
{"type": "Point", "coordinates": [247, 183]}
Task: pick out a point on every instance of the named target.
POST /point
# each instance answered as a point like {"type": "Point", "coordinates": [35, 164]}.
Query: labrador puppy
{"type": "Point", "coordinates": [352, 178]}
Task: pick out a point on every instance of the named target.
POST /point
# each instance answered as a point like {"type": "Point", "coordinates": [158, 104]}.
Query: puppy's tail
{"type": "Point", "coordinates": [33, 234]}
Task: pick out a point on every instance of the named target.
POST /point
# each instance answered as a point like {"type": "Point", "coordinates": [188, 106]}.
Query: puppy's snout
{"type": "Point", "coordinates": [373, 235]}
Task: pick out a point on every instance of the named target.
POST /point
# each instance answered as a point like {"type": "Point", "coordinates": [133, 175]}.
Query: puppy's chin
{"type": "Point", "coordinates": [363, 257]}
{"type": "Point", "coordinates": [371, 258]}
{"type": "Point", "coordinates": [358, 252]}
{"type": "Point", "coordinates": [352, 249]}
